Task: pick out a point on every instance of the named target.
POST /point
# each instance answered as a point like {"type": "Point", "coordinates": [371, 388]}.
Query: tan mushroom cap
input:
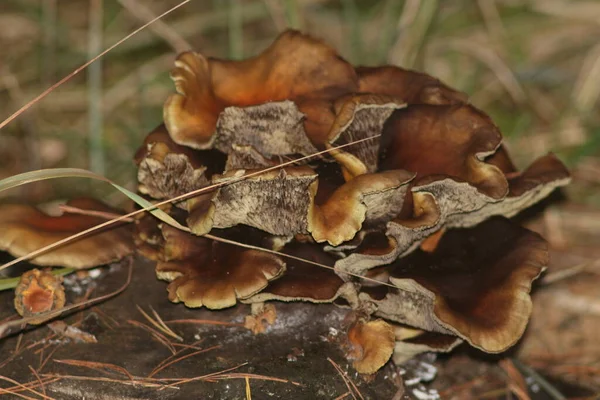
{"type": "Point", "coordinates": [208, 273]}
{"type": "Point", "coordinates": [475, 284]}
{"type": "Point", "coordinates": [24, 229]}
{"type": "Point", "coordinates": [295, 66]}
{"type": "Point", "coordinates": [167, 170]}
{"type": "Point", "coordinates": [372, 345]}
{"type": "Point", "coordinates": [300, 200]}
{"type": "Point", "coordinates": [38, 292]}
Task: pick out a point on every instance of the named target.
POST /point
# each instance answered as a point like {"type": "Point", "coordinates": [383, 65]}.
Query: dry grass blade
{"type": "Point", "coordinates": [159, 324]}
{"type": "Point", "coordinates": [516, 381]}
{"type": "Point", "coordinates": [351, 386]}
{"type": "Point", "coordinates": [55, 313]}
{"type": "Point", "coordinates": [157, 335]}
{"type": "Point", "coordinates": [97, 366]}
{"type": "Point", "coordinates": [100, 214]}
{"type": "Point", "coordinates": [177, 353]}
{"type": "Point", "coordinates": [160, 28]}
{"type": "Point", "coordinates": [343, 396]}
{"type": "Point", "coordinates": [548, 388]}
{"type": "Point", "coordinates": [168, 364]}
{"type": "Point", "coordinates": [24, 387]}
{"type": "Point", "coordinates": [135, 382]}
{"type": "Point", "coordinates": [248, 391]}
{"type": "Point", "coordinates": [84, 66]}
{"type": "Point", "coordinates": [203, 322]}
{"type": "Point", "coordinates": [44, 361]}
{"type": "Point", "coordinates": [239, 375]}
{"type": "Point", "coordinates": [37, 376]}
{"type": "Point", "coordinates": [203, 377]}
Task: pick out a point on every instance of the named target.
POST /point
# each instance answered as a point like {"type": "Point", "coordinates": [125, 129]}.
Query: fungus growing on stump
{"type": "Point", "coordinates": [430, 169]}
{"type": "Point", "coordinates": [408, 226]}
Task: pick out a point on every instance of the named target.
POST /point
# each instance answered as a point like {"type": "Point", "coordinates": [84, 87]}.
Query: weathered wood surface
{"type": "Point", "coordinates": [295, 348]}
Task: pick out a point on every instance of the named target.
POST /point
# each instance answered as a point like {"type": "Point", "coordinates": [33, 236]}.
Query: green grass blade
{"type": "Point", "coordinates": [53, 173]}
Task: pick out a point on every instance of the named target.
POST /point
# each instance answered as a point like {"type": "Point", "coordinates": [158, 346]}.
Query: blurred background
{"type": "Point", "coordinates": [533, 65]}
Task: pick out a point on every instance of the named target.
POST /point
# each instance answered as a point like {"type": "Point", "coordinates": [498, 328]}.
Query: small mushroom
{"type": "Point", "coordinates": [371, 345]}
{"type": "Point", "coordinates": [24, 229]}
{"type": "Point", "coordinates": [38, 292]}
{"type": "Point", "coordinates": [204, 272]}
{"type": "Point", "coordinates": [474, 285]}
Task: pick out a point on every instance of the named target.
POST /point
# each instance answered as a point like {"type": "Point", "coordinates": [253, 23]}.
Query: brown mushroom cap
{"type": "Point", "coordinates": [372, 345]}
{"type": "Point", "coordinates": [406, 349]}
{"type": "Point", "coordinates": [24, 229]}
{"type": "Point", "coordinates": [303, 281]}
{"type": "Point", "coordinates": [411, 86]}
{"type": "Point", "coordinates": [38, 292]}
{"type": "Point", "coordinates": [475, 284]}
{"type": "Point", "coordinates": [204, 272]}
{"type": "Point", "coordinates": [166, 169]}
{"type": "Point", "coordinates": [295, 66]}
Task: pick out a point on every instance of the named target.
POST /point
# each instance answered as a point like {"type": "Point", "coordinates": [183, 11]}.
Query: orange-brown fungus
{"type": "Point", "coordinates": [26, 229]}
{"type": "Point", "coordinates": [371, 345]}
{"type": "Point", "coordinates": [475, 284]}
{"type": "Point", "coordinates": [419, 203]}
{"type": "Point", "coordinates": [38, 292]}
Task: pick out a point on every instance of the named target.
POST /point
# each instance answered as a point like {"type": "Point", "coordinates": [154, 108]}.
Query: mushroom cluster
{"type": "Point", "coordinates": [393, 201]}
{"type": "Point", "coordinates": [405, 214]}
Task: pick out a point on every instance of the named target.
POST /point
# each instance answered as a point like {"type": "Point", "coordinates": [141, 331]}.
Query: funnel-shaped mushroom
{"type": "Point", "coordinates": [24, 229]}
{"type": "Point", "coordinates": [475, 284]}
